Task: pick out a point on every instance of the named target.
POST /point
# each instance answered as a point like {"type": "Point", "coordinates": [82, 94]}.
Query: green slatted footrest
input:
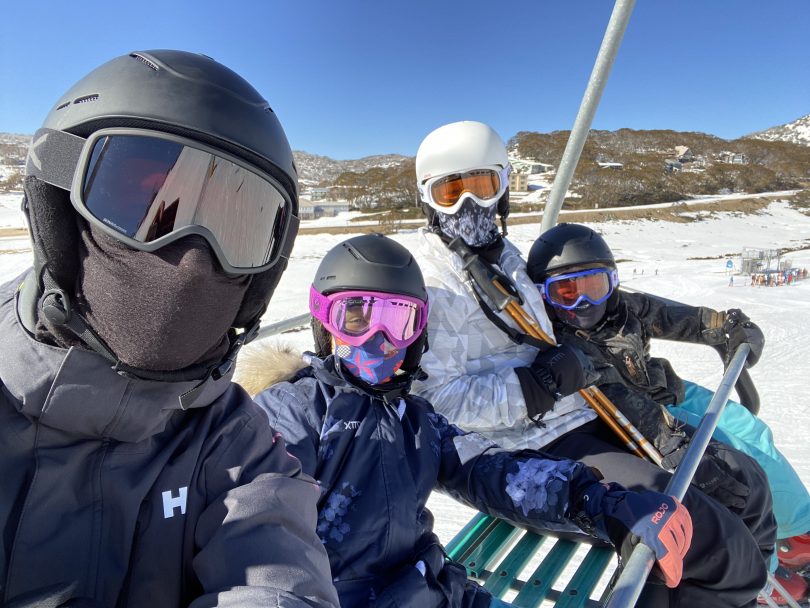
{"type": "Point", "coordinates": [495, 552]}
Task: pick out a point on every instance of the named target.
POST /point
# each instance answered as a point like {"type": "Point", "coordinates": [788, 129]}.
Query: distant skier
{"type": "Point", "coordinates": [577, 275]}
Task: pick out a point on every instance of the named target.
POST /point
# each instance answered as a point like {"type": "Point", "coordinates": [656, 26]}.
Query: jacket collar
{"type": "Point", "coordinates": [77, 391]}
{"type": "Point", "coordinates": [327, 372]}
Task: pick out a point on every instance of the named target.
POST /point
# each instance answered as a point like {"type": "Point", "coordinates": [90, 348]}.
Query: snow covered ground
{"type": "Point", "coordinates": [682, 261]}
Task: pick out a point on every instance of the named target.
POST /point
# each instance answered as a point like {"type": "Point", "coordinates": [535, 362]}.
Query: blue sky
{"type": "Point", "coordinates": [354, 78]}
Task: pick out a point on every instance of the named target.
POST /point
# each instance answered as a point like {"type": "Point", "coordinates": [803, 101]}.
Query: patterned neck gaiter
{"type": "Point", "coordinates": [473, 223]}
{"type": "Point", "coordinates": [375, 362]}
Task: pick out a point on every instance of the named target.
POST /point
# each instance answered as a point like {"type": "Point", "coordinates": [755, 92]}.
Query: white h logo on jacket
{"type": "Point", "coordinates": [170, 503]}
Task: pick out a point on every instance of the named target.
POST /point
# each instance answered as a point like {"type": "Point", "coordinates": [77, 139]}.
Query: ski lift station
{"type": "Point", "coordinates": [761, 260]}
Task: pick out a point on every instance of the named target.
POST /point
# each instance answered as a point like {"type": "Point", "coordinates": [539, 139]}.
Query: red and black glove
{"type": "Point", "coordinates": [659, 521]}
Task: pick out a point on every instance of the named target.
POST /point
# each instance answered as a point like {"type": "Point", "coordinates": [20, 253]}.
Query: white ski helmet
{"type": "Point", "coordinates": [461, 147]}
{"type": "Point", "coordinates": [458, 147]}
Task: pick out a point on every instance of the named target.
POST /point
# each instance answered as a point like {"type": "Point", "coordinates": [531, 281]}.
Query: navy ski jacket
{"type": "Point", "coordinates": [377, 463]}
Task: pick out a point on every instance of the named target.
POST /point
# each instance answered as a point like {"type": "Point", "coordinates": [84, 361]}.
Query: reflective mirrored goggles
{"type": "Point", "coordinates": [355, 316]}
{"type": "Point", "coordinates": [148, 189]}
{"type": "Point", "coordinates": [569, 290]}
{"type": "Point", "coordinates": [485, 186]}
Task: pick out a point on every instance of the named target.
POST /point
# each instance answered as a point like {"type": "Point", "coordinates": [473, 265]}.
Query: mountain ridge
{"type": "Point", "coordinates": [386, 176]}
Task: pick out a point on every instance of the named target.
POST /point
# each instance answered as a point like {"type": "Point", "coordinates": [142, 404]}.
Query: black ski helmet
{"type": "Point", "coordinates": [176, 92]}
{"type": "Point", "coordinates": [566, 246]}
{"type": "Point", "coordinates": [370, 262]}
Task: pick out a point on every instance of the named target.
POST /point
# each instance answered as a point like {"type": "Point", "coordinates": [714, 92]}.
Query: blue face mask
{"type": "Point", "coordinates": [374, 362]}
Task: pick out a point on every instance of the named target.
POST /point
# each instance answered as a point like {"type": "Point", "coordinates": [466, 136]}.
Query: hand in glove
{"type": "Point", "coordinates": [659, 521]}
{"type": "Point", "coordinates": [555, 373]}
{"type": "Point", "coordinates": [740, 330]}
{"type": "Point", "coordinates": [714, 477]}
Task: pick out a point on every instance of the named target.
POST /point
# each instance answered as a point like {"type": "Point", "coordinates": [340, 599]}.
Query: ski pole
{"type": "Point", "coordinates": [631, 581]}
{"type": "Point", "coordinates": [596, 399]}
{"type": "Point", "coordinates": [649, 449]}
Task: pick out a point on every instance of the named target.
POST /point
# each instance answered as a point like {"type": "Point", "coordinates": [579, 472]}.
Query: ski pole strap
{"type": "Point", "coordinates": [518, 337]}
{"type": "Point", "coordinates": [482, 275]}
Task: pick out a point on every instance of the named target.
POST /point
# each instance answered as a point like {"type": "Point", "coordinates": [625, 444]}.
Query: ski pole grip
{"type": "Point", "coordinates": [480, 274]}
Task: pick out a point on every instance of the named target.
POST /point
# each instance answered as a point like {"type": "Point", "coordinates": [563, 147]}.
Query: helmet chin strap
{"type": "Point", "coordinates": [55, 305]}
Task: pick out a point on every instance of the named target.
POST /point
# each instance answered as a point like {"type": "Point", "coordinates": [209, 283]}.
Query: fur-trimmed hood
{"type": "Point", "coordinates": [264, 364]}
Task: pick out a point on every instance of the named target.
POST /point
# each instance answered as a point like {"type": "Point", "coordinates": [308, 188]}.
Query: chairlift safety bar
{"type": "Point", "coordinates": [631, 581]}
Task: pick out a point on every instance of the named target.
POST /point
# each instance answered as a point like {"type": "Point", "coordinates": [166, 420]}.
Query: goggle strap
{"type": "Point", "coordinates": [285, 248]}
{"type": "Point", "coordinates": [53, 156]}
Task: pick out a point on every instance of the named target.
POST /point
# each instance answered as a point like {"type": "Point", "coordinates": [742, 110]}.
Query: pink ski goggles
{"type": "Point", "coordinates": [355, 316]}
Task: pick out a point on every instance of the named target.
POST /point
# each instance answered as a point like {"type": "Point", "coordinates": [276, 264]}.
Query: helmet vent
{"type": "Point", "coordinates": [86, 98]}
{"type": "Point", "coordinates": [350, 251]}
{"type": "Point", "coordinates": [63, 106]}
{"type": "Point", "coordinates": [151, 65]}
{"type": "Point", "coordinates": [269, 110]}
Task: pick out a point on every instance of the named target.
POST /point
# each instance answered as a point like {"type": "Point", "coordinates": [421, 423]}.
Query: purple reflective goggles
{"type": "Point", "coordinates": [355, 316]}
{"type": "Point", "coordinates": [567, 291]}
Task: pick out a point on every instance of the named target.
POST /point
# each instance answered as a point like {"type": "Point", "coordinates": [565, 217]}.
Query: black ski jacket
{"type": "Point", "coordinates": [111, 495]}
{"type": "Point", "coordinates": [619, 347]}
{"type": "Point", "coordinates": [377, 463]}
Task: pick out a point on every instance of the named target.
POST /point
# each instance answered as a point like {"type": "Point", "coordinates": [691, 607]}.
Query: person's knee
{"type": "Point", "coordinates": [748, 471]}
{"type": "Point", "coordinates": [724, 552]}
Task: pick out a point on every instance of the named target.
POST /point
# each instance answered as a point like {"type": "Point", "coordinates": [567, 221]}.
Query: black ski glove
{"type": "Point", "coordinates": [555, 373]}
{"type": "Point", "coordinates": [740, 330]}
{"type": "Point", "coordinates": [714, 477]}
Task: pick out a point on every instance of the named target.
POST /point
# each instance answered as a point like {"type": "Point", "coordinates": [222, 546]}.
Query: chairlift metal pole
{"type": "Point", "coordinates": [593, 93]}
{"type": "Point", "coordinates": [282, 326]}
{"type": "Point", "coordinates": [631, 581]}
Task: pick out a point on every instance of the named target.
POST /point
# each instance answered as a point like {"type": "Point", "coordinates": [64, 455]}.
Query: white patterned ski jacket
{"type": "Point", "coordinates": [470, 363]}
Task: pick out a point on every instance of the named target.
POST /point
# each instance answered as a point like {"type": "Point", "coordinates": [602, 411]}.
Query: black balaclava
{"type": "Point", "coordinates": [473, 223]}
{"type": "Point", "coordinates": [584, 316]}
{"type": "Point", "coordinates": [159, 311]}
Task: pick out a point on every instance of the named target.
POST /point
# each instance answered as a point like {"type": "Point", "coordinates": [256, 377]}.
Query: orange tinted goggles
{"type": "Point", "coordinates": [483, 183]}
